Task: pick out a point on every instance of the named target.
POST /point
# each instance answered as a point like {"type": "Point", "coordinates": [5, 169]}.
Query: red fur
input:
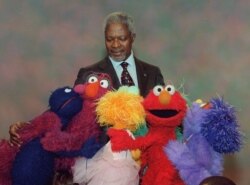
{"type": "Point", "coordinates": [7, 155]}
{"type": "Point", "coordinates": [160, 170]}
{"type": "Point", "coordinates": [81, 127]}
{"type": "Point", "coordinates": [39, 125]}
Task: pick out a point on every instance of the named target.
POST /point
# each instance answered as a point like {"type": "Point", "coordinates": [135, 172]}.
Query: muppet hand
{"type": "Point", "coordinates": [120, 139]}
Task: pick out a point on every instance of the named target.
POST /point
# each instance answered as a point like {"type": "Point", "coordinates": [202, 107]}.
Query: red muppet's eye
{"type": "Point", "coordinates": [170, 89]}
{"type": "Point", "coordinates": [157, 90]}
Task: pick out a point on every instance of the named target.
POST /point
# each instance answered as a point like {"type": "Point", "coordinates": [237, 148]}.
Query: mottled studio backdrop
{"type": "Point", "coordinates": [202, 45]}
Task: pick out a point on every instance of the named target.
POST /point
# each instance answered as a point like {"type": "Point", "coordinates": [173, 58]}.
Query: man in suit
{"type": "Point", "coordinates": [120, 34]}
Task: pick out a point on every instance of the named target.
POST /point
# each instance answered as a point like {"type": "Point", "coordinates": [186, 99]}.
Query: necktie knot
{"type": "Point", "coordinates": [124, 65]}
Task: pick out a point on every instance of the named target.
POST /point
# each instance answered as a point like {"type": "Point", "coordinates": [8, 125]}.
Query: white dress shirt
{"type": "Point", "coordinates": [131, 68]}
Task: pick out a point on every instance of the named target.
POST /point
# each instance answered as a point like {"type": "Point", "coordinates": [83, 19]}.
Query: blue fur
{"type": "Point", "coordinates": [35, 166]}
{"type": "Point", "coordinates": [89, 149]}
{"type": "Point", "coordinates": [59, 97]}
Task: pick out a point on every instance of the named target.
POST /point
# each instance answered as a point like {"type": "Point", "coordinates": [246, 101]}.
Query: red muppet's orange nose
{"type": "Point", "coordinates": [164, 97]}
{"type": "Point", "coordinates": [92, 89]}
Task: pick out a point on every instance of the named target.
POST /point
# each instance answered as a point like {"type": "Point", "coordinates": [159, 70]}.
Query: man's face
{"type": "Point", "coordinates": [118, 41]}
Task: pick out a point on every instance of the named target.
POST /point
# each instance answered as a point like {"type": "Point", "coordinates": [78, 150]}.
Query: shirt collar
{"type": "Point", "coordinates": [130, 60]}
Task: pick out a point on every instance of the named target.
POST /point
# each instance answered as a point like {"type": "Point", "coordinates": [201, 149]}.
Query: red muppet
{"type": "Point", "coordinates": [165, 109]}
{"type": "Point", "coordinates": [83, 126]}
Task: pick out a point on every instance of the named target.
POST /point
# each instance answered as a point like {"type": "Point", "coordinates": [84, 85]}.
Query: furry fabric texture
{"type": "Point", "coordinates": [220, 127]}
{"type": "Point", "coordinates": [209, 133]}
{"type": "Point", "coordinates": [31, 164]}
{"type": "Point", "coordinates": [83, 126]}
{"type": "Point", "coordinates": [121, 109]}
{"type": "Point", "coordinates": [8, 155]}
{"type": "Point", "coordinates": [165, 109]}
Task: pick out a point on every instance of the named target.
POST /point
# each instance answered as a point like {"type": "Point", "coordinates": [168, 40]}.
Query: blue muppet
{"type": "Point", "coordinates": [32, 164]}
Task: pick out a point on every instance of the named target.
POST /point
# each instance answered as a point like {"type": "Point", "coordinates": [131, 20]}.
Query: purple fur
{"type": "Point", "coordinates": [199, 156]}
{"type": "Point", "coordinates": [220, 127]}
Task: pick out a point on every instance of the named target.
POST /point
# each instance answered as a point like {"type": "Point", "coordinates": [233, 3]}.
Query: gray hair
{"type": "Point", "coordinates": [119, 17]}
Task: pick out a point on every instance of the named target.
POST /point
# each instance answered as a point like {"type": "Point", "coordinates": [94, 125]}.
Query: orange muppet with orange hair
{"type": "Point", "coordinates": [165, 109]}
{"type": "Point", "coordinates": [120, 109]}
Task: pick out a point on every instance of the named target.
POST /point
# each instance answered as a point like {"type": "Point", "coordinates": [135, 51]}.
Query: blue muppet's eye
{"type": "Point", "coordinates": [67, 90]}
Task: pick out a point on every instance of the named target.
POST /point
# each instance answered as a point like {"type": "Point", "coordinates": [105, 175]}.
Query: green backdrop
{"type": "Point", "coordinates": [200, 45]}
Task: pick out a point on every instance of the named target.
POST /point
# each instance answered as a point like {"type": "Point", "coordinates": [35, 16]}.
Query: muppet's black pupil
{"type": "Point", "coordinates": [169, 89]}
{"type": "Point", "coordinates": [159, 89]}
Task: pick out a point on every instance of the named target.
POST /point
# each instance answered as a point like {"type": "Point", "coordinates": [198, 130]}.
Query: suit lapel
{"type": "Point", "coordinates": [142, 76]}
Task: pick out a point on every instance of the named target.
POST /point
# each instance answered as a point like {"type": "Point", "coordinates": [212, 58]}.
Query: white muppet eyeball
{"type": "Point", "coordinates": [67, 90]}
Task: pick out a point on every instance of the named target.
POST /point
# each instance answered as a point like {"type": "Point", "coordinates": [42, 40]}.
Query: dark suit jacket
{"type": "Point", "coordinates": [148, 75]}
